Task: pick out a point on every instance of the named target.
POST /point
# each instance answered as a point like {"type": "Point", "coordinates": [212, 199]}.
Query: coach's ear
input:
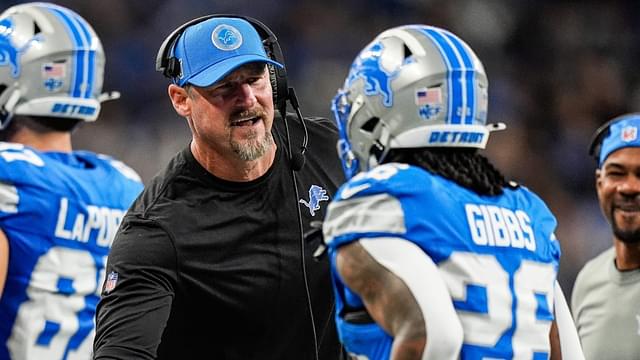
{"type": "Point", "coordinates": [180, 99]}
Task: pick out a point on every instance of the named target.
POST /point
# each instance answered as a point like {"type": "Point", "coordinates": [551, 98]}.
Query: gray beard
{"type": "Point", "coordinates": [252, 148]}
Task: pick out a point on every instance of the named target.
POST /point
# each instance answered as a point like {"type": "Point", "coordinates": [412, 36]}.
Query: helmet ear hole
{"type": "Point", "coordinates": [370, 124]}
{"type": "Point", "coordinates": [407, 52]}
{"type": "Point", "coordinates": [36, 28]}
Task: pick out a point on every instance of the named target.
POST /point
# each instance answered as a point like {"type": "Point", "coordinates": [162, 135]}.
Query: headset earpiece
{"type": "Point", "coordinates": [168, 65]}
{"type": "Point", "coordinates": [274, 85]}
{"type": "Point", "coordinates": [277, 76]}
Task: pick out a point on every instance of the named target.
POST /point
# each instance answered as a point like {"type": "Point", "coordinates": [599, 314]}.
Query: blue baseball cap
{"type": "Point", "coordinates": [211, 49]}
{"type": "Point", "coordinates": [622, 133]}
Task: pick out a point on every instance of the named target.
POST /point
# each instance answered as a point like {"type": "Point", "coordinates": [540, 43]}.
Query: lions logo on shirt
{"type": "Point", "coordinates": [316, 195]}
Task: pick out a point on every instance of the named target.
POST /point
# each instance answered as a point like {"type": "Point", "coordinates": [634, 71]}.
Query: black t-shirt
{"type": "Point", "coordinates": [203, 268]}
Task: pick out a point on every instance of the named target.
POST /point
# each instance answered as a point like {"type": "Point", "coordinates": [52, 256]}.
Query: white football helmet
{"type": "Point", "coordinates": [51, 64]}
{"type": "Point", "coordinates": [412, 86]}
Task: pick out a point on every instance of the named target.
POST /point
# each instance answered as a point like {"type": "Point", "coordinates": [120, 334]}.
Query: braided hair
{"type": "Point", "coordinates": [466, 167]}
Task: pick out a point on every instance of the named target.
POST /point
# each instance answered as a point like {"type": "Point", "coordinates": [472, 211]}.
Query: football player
{"type": "Point", "coordinates": [59, 208]}
{"type": "Point", "coordinates": [435, 255]}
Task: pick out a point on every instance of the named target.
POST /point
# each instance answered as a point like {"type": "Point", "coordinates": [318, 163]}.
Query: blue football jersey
{"type": "Point", "coordinates": [60, 212]}
{"type": "Point", "coordinates": [498, 256]}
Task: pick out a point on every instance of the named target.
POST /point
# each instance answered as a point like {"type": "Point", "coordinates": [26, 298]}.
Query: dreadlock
{"type": "Point", "coordinates": [466, 167]}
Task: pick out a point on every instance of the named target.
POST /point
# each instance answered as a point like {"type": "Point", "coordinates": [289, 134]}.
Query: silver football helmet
{"type": "Point", "coordinates": [51, 64]}
{"type": "Point", "coordinates": [412, 86]}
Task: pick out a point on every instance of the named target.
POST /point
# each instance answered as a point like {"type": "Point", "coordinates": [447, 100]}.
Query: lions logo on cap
{"type": "Point", "coordinates": [226, 37]}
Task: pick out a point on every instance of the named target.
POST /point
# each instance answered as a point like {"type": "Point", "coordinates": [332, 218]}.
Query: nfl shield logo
{"type": "Point", "coordinates": [629, 133]}
{"type": "Point", "coordinates": [110, 284]}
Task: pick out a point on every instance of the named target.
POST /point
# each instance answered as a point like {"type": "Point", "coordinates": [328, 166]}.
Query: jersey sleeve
{"type": "Point", "coordinates": [9, 199]}
{"type": "Point", "coordinates": [546, 227]}
{"type": "Point", "coordinates": [137, 293]}
{"type": "Point", "coordinates": [16, 165]}
{"type": "Point", "coordinates": [376, 215]}
{"type": "Point", "coordinates": [370, 206]}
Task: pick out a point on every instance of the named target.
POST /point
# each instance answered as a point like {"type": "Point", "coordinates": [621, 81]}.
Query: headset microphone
{"type": "Point", "coordinates": [298, 158]}
{"type": "Point", "coordinates": [297, 161]}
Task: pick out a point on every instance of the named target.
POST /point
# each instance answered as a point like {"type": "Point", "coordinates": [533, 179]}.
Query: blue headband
{"type": "Point", "coordinates": [622, 133]}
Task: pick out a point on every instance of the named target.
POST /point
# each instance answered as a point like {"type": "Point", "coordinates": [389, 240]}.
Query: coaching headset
{"type": "Point", "coordinates": [169, 66]}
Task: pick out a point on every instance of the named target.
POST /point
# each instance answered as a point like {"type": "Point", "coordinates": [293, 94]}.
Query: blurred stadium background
{"type": "Point", "coordinates": [557, 70]}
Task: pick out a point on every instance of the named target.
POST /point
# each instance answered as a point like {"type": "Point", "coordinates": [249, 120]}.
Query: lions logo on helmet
{"type": "Point", "coordinates": [8, 52]}
{"type": "Point", "coordinates": [377, 79]}
{"type": "Point", "coordinates": [412, 86]}
{"type": "Point", "coordinates": [62, 76]}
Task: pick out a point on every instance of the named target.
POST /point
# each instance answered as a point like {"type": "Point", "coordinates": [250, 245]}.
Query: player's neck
{"type": "Point", "coordinates": [58, 141]}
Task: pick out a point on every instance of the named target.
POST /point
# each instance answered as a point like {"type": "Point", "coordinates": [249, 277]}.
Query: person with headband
{"type": "Point", "coordinates": [606, 294]}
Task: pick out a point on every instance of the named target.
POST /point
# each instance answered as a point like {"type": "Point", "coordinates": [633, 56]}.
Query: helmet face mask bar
{"type": "Point", "coordinates": [51, 64]}
{"type": "Point", "coordinates": [341, 110]}
{"type": "Point", "coordinates": [412, 86]}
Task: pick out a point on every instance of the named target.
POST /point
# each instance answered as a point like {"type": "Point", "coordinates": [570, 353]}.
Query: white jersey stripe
{"type": "Point", "coordinates": [8, 198]}
{"type": "Point", "coordinates": [370, 214]}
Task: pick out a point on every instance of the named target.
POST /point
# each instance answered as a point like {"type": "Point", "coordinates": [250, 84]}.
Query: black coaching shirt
{"type": "Point", "coordinates": [203, 268]}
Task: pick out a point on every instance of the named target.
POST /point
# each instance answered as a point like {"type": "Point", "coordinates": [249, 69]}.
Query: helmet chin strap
{"type": "Point", "coordinates": [377, 157]}
{"type": "Point", "coordinates": [6, 111]}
